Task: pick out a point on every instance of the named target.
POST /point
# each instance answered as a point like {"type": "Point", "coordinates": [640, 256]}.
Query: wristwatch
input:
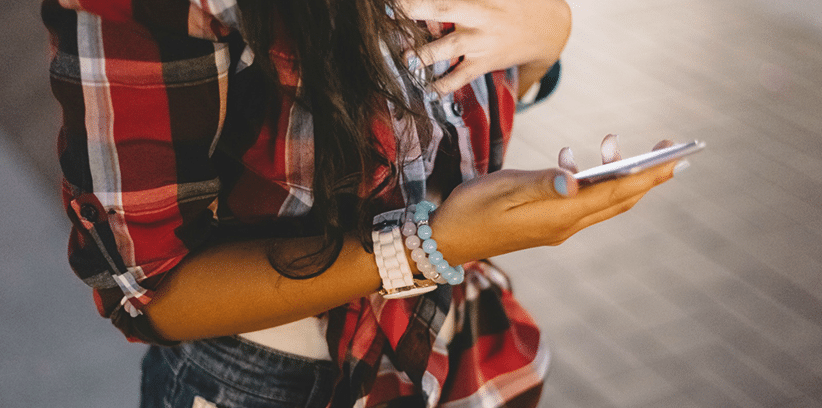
{"type": "Point", "coordinates": [389, 253]}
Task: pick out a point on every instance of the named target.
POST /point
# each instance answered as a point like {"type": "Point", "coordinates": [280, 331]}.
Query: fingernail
{"type": "Point", "coordinates": [681, 166]}
{"type": "Point", "coordinates": [566, 155]}
{"type": "Point", "coordinates": [610, 149]}
{"type": "Point", "coordinates": [663, 144]}
{"type": "Point", "coordinates": [413, 62]}
{"type": "Point", "coordinates": [389, 11]}
{"type": "Point", "coordinates": [561, 185]}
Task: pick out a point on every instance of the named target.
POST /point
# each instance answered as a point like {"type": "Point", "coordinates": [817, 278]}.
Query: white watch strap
{"type": "Point", "coordinates": [389, 254]}
{"type": "Point", "coordinates": [391, 261]}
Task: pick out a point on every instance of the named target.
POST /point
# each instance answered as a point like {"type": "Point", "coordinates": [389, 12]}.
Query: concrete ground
{"type": "Point", "coordinates": [707, 294]}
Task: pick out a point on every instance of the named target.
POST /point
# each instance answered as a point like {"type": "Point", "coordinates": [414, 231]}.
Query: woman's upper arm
{"type": "Point", "coordinates": [143, 105]}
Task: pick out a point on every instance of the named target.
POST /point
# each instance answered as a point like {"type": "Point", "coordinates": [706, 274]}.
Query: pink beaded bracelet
{"type": "Point", "coordinates": [418, 238]}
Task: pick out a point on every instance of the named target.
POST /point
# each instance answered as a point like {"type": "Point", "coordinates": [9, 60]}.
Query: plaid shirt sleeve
{"type": "Point", "coordinates": [143, 91]}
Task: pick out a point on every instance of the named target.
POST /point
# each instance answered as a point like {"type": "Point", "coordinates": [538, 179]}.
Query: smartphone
{"type": "Point", "coordinates": [636, 164]}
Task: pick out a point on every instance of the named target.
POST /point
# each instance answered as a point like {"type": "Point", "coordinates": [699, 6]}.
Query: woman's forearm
{"type": "Point", "coordinates": [232, 288]}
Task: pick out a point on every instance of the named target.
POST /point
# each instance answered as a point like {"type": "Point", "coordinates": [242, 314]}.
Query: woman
{"type": "Point", "coordinates": [223, 163]}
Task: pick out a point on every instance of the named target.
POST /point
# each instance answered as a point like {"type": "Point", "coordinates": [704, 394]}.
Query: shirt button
{"type": "Point", "coordinates": [89, 212]}
{"type": "Point", "coordinates": [456, 108]}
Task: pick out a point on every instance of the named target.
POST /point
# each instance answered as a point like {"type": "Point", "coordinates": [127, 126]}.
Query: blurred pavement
{"type": "Point", "coordinates": [707, 294]}
{"type": "Point", "coordinates": [56, 351]}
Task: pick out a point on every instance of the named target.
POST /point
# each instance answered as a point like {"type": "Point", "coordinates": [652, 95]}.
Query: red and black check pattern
{"type": "Point", "coordinates": [169, 141]}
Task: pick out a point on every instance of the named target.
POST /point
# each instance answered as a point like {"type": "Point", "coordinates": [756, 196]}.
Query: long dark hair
{"type": "Point", "coordinates": [344, 84]}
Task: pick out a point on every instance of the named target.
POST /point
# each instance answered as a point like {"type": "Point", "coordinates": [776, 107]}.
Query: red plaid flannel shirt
{"type": "Point", "coordinates": [168, 142]}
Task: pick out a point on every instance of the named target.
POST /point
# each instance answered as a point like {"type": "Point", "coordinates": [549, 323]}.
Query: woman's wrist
{"type": "Point", "coordinates": [405, 233]}
{"type": "Point", "coordinates": [447, 242]}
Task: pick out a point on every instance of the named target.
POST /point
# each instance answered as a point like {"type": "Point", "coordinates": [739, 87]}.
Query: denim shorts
{"type": "Point", "coordinates": [233, 372]}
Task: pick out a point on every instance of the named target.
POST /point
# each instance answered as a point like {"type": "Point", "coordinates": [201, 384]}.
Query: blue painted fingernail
{"type": "Point", "coordinates": [389, 11]}
{"type": "Point", "coordinates": [561, 185]}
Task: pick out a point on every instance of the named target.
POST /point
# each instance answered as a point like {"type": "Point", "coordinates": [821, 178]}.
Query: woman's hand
{"type": "Point", "coordinates": [511, 210]}
{"type": "Point", "coordinates": [491, 35]}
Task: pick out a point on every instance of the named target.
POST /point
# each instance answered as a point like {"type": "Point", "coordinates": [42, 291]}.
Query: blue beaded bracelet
{"type": "Point", "coordinates": [424, 248]}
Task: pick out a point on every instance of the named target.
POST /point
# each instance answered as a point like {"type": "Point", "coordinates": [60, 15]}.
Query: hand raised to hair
{"type": "Point", "coordinates": [491, 35]}
{"type": "Point", "coordinates": [512, 210]}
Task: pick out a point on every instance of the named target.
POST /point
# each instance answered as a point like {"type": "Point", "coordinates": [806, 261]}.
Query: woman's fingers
{"type": "Point", "coordinates": [536, 186]}
{"type": "Point", "coordinates": [489, 35]}
{"type": "Point", "coordinates": [600, 196]}
{"type": "Point", "coordinates": [446, 48]}
{"type": "Point", "coordinates": [681, 164]}
{"type": "Point", "coordinates": [564, 218]}
{"type": "Point", "coordinates": [518, 187]}
{"type": "Point", "coordinates": [546, 185]}
{"type": "Point", "coordinates": [523, 209]}
{"type": "Point", "coordinates": [663, 144]}
{"type": "Point", "coordinates": [465, 72]}
{"type": "Point", "coordinates": [524, 187]}
{"type": "Point", "coordinates": [566, 160]}
{"type": "Point", "coordinates": [604, 201]}
{"type": "Point", "coordinates": [449, 48]}
{"type": "Point", "coordinates": [610, 149]}
{"type": "Point", "coordinates": [446, 11]}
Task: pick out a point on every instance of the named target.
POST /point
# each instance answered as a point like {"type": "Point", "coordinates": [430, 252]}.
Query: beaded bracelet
{"type": "Point", "coordinates": [389, 254]}
{"type": "Point", "coordinates": [424, 249]}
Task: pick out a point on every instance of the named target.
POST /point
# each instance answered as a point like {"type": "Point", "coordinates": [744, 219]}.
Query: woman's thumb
{"type": "Point", "coordinates": [548, 184]}
{"type": "Point", "coordinates": [564, 182]}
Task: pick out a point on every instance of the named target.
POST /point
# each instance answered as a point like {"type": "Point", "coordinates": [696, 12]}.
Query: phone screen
{"type": "Point", "coordinates": [638, 163]}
